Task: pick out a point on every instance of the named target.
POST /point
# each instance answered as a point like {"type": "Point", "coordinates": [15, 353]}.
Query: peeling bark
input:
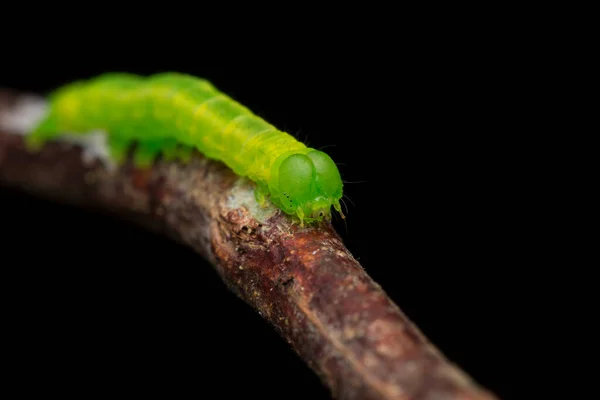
{"type": "Point", "coordinates": [301, 280]}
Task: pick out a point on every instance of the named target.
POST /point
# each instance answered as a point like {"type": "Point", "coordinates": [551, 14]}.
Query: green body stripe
{"type": "Point", "coordinates": [170, 111]}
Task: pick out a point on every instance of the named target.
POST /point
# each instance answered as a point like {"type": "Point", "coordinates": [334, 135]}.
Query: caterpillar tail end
{"type": "Point", "coordinates": [37, 137]}
{"type": "Point", "coordinates": [34, 143]}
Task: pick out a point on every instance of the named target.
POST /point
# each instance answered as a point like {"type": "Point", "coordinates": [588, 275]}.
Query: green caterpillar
{"type": "Point", "coordinates": [172, 114]}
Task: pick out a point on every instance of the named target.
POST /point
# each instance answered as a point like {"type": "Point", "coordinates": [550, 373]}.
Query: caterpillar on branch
{"type": "Point", "coordinates": [173, 113]}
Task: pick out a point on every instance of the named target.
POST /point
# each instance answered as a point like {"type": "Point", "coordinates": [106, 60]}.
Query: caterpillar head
{"type": "Point", "coordinates": [309, 185]}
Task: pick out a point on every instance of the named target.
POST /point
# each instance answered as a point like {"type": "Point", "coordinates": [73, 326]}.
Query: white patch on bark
{"type": "Point", "coordinates": [29, 110]}
{"type": "Point", "coordinates": [21, 118]}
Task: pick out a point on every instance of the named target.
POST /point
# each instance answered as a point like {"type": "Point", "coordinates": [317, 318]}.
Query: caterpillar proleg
{"type": "Point", "coordinates": [173, 113]}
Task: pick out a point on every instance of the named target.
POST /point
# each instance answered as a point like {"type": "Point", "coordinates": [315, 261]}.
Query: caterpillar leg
{"type": "Point", "coordinates": [146, 153]}
{"type": "Point", "coordinates": [184, 153]}
{"type": "Point", "coordinates": [169, 150]}
{"type": "Point", "coordinates": [300, 215]}
{"type": "Point", "coordinates": [338, 207]}
{"type": "Point", "coordinates": [118, 149]}
{"type": "Point", "coordinates": [261, 194]}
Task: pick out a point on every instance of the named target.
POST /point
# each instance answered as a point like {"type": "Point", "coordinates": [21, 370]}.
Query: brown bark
{"type": "Point", "coordinates": [302, 280]}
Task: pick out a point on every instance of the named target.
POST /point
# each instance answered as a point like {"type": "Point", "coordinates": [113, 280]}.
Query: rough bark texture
{"type": "Point", "coordinates": [302, 280]}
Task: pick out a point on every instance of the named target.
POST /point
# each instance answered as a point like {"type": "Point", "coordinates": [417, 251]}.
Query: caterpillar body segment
{"type": "Point", "coordinates": [172, 114]}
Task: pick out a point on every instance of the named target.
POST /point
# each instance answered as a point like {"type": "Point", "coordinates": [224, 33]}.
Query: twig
{"type": "Point", "coordinates": [302, 280]}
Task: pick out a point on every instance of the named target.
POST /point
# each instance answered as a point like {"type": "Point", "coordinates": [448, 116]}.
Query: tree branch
{"type": "Point", "coordinates": [301, 280]}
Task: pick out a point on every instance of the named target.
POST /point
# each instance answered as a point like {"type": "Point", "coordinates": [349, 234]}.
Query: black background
{"type": "Point", "coordinates": [414, 124]}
